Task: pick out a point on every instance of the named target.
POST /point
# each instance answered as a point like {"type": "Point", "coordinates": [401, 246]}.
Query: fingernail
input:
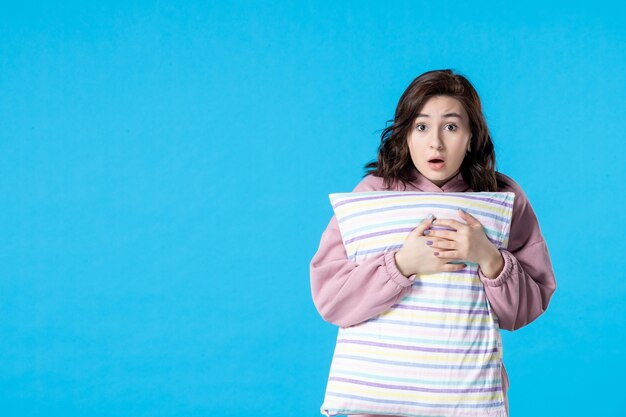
{"type": "Point", "coordinates": [436, 253]}
{"type": "Point", "coordinates": [426, 232]}
{"type": "Point", "coordinates": [429, 242]}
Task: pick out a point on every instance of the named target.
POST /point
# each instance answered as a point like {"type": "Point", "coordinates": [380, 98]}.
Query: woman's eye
{"type": "Point", "coordinates": [453, 127]}
{"type": "Point", "coordinates": [419, 127]}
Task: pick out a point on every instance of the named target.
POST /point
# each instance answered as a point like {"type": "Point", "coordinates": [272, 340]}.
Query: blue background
{"type": "Point", "coordinates": [165, 170]}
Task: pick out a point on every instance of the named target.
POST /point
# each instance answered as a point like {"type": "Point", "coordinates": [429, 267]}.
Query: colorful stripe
{"type": "Point", "coordinates": [411, 388]}
{"type": "Point", "coordinates": [419, 348]}
{"type": "Point", "coordinates": [376, 195]}
{"type": "Point", "coordinates": [470, 343]}
{"type": "Point", "coordinates": [399, 207]}
{"type": "Point", "coordinates": [423, 404]}
{"type": "Point", "coordinates": [405, 222]}
{"type": "Point", "coordinates": [405, 364]}
{"type": "Point", "coordinates": [412, 380]}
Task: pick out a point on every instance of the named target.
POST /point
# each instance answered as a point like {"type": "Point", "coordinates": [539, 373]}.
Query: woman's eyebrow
{"type": "Point", "coordinates": [445, 115]}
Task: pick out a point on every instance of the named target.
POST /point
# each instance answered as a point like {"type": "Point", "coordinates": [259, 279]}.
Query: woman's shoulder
{"type": "Point", "coordinates": [506, 183]}
{"type": "Point", "coordinates": [369, 183]}
{"type": "Point", "coordinates": [521, 205]}
{"type": "Point", "coordinates": [525, 228]}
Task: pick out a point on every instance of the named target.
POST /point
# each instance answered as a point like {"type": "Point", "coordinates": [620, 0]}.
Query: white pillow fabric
{"type": "Point", "coordinates": [438, 351]}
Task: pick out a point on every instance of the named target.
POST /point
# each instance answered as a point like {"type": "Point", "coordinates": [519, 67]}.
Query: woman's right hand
{"type": "Point", "coordinates": [416, 257]}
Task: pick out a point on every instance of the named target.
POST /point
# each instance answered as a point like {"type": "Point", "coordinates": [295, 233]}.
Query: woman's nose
{"type": "Point", "coordinates": [435, 141]}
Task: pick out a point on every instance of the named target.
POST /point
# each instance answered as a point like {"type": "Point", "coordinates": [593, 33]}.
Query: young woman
{"type": "Point", "coordinates": [438, 142]}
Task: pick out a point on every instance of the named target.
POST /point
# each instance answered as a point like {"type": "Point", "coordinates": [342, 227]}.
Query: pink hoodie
{"type": "Point", "coordinates": [346, 293]}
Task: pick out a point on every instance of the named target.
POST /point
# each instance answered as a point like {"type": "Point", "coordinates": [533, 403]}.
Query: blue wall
{"type": "Point", "coordinates": [165, 170]}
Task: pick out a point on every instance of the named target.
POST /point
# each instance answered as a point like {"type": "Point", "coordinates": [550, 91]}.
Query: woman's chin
{"type": "Point", "coordinates": [438, 177]}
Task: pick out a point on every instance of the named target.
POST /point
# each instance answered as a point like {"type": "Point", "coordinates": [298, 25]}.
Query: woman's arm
{"type": "Point", "coordinates": [346, 293]}
{"type": "Point", "coordinates": [522, 291]}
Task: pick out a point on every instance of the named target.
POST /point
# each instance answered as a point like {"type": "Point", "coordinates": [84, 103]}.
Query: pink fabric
{"type": "Point", "coordinates": [346, 293]}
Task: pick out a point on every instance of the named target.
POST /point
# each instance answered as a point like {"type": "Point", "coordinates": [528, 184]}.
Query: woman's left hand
{"type": "Point", "coordinates": [467, 243]}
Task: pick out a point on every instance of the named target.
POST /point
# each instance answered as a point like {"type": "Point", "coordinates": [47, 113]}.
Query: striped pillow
{"type": "Point", "coordinates": [438, 351]}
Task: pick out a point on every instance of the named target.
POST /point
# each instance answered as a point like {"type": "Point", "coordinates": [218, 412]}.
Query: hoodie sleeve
{"type": "Point", "coordinates": [522, 290]}
{"type": "Point", "coordinates": [346, 293]}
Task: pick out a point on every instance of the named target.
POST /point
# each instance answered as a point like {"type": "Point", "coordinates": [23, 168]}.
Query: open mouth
{"type": "Point", "coordinates": [436, 163]}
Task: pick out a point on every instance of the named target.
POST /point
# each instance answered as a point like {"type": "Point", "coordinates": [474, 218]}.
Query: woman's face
{"type": "Point", "coordinates": [440, 131]}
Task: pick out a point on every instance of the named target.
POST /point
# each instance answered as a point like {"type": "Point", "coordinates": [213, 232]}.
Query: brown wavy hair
{"type": "Point", "coordinates": [394, 159]}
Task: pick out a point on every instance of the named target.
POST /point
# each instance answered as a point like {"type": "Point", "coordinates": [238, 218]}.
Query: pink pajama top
{"type": "Point", "coordinates": [346, 293]}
